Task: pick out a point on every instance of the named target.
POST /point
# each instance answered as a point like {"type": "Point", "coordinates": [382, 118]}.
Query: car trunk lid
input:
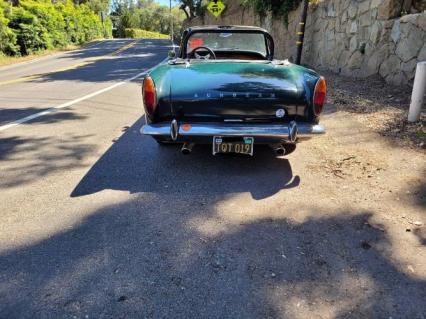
{"type": "Point", "coordinates": [237, 91]}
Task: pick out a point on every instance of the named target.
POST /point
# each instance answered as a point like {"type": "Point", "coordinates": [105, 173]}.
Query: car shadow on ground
{"type": "Point", "coordinates": [138, 260]}
{"type": "Point", "coordinates": [138, 164]}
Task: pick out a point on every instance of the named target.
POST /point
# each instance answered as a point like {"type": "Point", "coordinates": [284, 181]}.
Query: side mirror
{"type": "Point", "coordinates": [172, 54]}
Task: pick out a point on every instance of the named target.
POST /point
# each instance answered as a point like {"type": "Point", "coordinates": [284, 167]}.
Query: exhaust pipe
{"type": "Point", "coordinates": [187, 148]}
{"type": "Point", "coordinates": [279, 149]}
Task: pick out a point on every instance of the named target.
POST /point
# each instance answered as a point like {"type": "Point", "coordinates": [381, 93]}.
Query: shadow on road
{"type": "Point", "coordinates": [111, 68]}
{"type": "Point", "coordinates": [25, 160]}
{"type": "Point", "coordinates": [110, 46]}
{"type": "Point", "coordinates": [166, 252]}
{"type": "Point", "coordinates": [137, 260]}
{"type": "Point", "coordinates": [10, 114]}
{"type": "Point", "coordinates": [97, 48]}
{"type": "Point", "coordinates": [138, 164]}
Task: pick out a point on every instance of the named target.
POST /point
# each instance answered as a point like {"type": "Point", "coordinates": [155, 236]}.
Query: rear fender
{"type": "Point", "coordinates": [162, 80]}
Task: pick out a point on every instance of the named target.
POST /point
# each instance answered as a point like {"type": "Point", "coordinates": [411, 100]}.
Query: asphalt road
{"type": "Point", "coordinates": [99, 222]}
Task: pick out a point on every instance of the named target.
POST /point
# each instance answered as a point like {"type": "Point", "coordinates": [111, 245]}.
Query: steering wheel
{"type": "Point", "coordinates": [209, 55]}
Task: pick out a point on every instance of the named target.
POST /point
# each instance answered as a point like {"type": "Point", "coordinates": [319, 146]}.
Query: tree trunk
{"type": "Point", "coordinates": [183, 8]}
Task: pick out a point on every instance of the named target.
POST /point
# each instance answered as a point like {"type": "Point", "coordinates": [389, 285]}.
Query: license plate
{"type": "Point", "coordinates": [239, 145]}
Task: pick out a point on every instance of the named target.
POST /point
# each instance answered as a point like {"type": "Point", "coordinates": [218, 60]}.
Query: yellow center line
{"type": "Point", "coordinates": [72, 67]}
{"type": "Point", "coordinates": [124, 48]}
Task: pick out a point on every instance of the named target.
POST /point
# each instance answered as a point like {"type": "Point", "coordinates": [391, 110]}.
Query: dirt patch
{"type": "Point", "coordinates": [382, 107]}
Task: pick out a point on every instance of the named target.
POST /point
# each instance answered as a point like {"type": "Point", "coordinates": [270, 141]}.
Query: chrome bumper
{"type": "Point", "coordinates": [186, 131]}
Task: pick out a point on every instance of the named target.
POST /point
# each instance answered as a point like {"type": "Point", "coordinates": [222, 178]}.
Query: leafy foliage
{"type": "Point", "coordinates": [36, 25]}
{"type": "Point", "coordinates": [96, 6]}
{"type": "Point", "coordinates": [279, 8]}
{"type": "Point", "coordinates": [139, 34]}
{"type": "Point", "coordinates": [192, 8]}
{"type": "Point", "coordinates": [7, 36]}
{"type": "Point", "coordinates": [145, 15]}
{"type": "Point", "coordinates": [28, 26]}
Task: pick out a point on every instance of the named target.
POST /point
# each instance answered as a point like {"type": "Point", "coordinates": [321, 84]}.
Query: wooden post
{"type": "Point", "coordinates": [419, 90]}
{"type": "Point", "coordinates": [301, 32]}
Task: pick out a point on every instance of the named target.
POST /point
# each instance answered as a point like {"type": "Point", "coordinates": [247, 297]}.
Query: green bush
{"type": "Point", "coordinates": [51, 22]}
{"type": "Point", "coordinates": [31, 35]}
{"type": "Point", "coordinates": [145, 15]}
{"type": "Point", "coordinates": [37, 25]}
{"type": "Point", "coordinates": [7, 36]}
{"type": "Point", "coordinates": [143, 34]}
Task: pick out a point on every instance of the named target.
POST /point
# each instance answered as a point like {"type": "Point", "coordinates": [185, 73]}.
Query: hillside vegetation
{"type": "Point", "coordinates": [142, 16]}
{"type": "Point", "coordinates": [143, 34]}
{"type": "Point", "coordinates": [36, 25]}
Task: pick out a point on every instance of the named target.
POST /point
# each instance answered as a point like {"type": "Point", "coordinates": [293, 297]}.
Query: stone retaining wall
{"type": "Point", "coordinates": [361, 38]}
{"type": "Point", "coordinates": [352, 37]}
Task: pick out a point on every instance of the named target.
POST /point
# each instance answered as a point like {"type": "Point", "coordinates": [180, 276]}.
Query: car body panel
{"type": "Point", "coordinates": [238, 94]}
{"type": "Point", "coordinates": [220, 90]}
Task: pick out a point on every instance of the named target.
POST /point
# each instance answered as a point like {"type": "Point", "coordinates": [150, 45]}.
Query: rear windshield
{"type": "Point", "coordinates": [228, 41]}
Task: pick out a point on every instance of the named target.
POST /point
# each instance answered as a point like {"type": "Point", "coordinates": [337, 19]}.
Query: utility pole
{"type": "Point", "coordinates": [301, 32]}
{"type": "Point", "coordinates": [171, 25]}
{"type": "Point", "coordinates": [103, 23]}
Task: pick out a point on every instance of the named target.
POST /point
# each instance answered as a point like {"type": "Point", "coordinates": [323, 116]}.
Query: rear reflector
{"type": "Point", "coordinates": [320, 96]}
{"type": "Point", "coordinates": [149, 95]}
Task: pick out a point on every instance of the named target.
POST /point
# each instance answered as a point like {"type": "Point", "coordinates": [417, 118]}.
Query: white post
{"type": "Point", "coordinates": [419, 90]}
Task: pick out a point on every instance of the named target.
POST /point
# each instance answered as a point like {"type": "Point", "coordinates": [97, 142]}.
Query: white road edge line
{"type": "Point", "coordinates": [67, 104]}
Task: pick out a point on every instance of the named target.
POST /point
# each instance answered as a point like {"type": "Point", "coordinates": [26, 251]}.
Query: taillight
{"type": "Point", "coordinates": [319, 96]}
{"type": "Point", "coordinates": [149, 95]}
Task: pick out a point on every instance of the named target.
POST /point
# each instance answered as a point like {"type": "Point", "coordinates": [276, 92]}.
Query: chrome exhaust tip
{"type": "Point", "coordinates": [279, 149]}
{"type": "Point", "coordinates": [187, 148]}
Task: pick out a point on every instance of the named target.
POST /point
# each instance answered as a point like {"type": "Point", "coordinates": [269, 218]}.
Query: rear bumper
{"type": "Point", "coordinates": [183, 132]}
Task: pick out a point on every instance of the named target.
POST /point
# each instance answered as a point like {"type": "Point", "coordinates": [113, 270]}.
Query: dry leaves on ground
{"type": "Point", "coordinates": [380, 106]}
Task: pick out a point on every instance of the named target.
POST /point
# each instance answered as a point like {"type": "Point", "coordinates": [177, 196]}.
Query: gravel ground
{"type": "Point", "coordinates": [382, 107]}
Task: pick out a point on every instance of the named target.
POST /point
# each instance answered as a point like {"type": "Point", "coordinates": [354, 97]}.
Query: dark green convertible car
{"type": "Point", "coordinates": [226, 89]}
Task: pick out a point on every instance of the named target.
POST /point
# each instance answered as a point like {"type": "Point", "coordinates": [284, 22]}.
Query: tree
{"type": "Point", "coordinates": [191, 8]}
{"type": "Point", "coordinates": [36, 25]}
{"type": "Point", "coordinates": [97, 6]}
{"type": "Point", "coordinates": [146, 15]}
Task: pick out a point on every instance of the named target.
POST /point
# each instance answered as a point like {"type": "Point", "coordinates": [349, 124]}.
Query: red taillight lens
{"type": "Point", "coordinates": [320, 96]}
{"type": "Point", "coordinates": [149, 95]}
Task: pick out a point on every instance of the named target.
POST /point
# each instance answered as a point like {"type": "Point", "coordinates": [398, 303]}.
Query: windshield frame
{"type": "Point", "coordinates": [269, 42]}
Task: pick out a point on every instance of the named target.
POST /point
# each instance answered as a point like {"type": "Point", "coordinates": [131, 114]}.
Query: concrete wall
{"type": "Point", "coordinates": [352, 37]}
